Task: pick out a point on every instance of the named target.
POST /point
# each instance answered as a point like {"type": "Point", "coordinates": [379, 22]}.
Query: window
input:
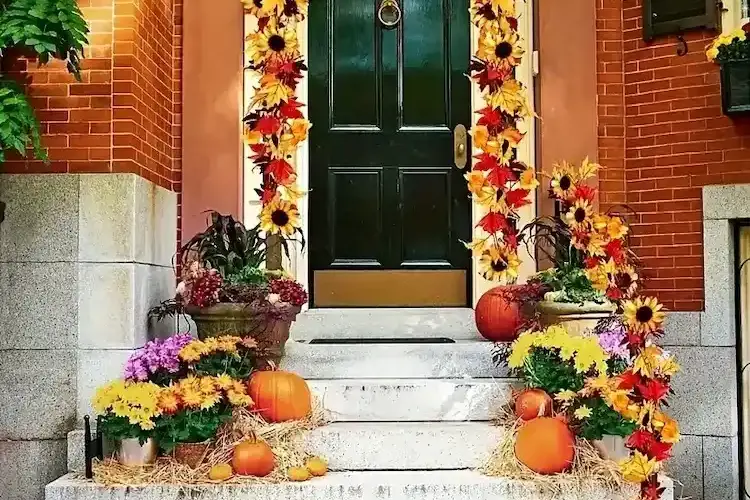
{"type": "Point", "coordinates": [744, 9]}
{"type": "Point", "coordinates": [666, 17]}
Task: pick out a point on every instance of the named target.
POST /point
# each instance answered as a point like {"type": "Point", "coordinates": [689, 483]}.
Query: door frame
{"type": "Point", "coordinates": [298, 264]}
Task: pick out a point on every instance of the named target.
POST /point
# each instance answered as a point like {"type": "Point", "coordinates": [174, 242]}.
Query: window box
{"type": "Point", "coordinates": [668, 17]}
{"type": "Point", "coordinates": [735, 86]}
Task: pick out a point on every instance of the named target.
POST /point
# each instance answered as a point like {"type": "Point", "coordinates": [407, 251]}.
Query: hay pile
{"type": "Point", "coordinates": [285, 439]}
{"type": "Point", "coordinates": [589, 472]}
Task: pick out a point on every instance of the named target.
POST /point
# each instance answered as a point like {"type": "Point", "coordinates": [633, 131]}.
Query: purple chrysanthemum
{"type": "Point", "coordinates": [155, 357]}
{"type": "Point", "coordinates": [612, 338]}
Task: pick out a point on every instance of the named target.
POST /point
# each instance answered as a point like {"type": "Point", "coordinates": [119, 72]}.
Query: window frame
{"type": "Point", "coordinates": [710, 20]}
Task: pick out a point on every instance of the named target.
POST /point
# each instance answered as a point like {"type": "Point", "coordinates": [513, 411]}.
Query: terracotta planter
{"type": "Point", "coordinates": [578, 319]}
{"type": "Point", "coordinates": [269, 329]}
{"type": "Point", "coordinates": [612, 448]}
{"type": "Point", "coordinates": [191, 454]}
{"type": "Point", "coordinates": [132, 453]}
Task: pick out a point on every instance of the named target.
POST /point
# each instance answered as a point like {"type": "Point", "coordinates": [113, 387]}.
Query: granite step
{"type": "Point", "coordinates": [388, 485]}
{"type": "Point", "coordinates": [383, 323]}
{"type": "Point", "coordinates": [462, 359]}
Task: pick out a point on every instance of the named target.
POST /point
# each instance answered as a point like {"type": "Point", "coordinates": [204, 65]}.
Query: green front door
{"type": "Point", "coordinates": [388, 206]}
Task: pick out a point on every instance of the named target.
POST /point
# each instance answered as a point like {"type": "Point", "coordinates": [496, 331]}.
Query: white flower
{"type": "Point", "coordinates": [273, 298]}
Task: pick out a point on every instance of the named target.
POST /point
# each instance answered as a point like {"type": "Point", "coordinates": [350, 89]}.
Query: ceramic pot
{"type": "Point", "coordinates": [269, 327]}
{"type": "Point", "coordinates": [612, 448]}
{"type": "Point", "coordinates": [190, 454]}
{"type": "Point", "coordinates": [578, 319]}
{"type": "Point", "coordinates": [131, 452]}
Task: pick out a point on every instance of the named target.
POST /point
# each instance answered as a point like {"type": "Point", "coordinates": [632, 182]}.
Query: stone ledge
{"type": "Point", "coordinates": [406, 485]}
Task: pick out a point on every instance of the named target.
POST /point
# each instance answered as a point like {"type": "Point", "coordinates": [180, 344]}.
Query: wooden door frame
{"type": "Point", "coordinates": [299, 262]}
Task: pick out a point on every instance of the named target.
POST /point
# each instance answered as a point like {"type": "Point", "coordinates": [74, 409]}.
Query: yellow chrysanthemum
{"type": "Point", "coordinates": [643, 315]}
{"type": "Point", "coordinates": [191, 397]}
{"type": "Point", "coordinates": [520, 349]}
{"type": "Point", "coordinates": [280, 217]}
{"type": "Point", "coordinates": [499, 264]}
{"type": "Point", "coordinates": [565, 396]}
{"type": "Point", "coordinates": [239, 399]}
{"type": "Point", "coordinates": [502, 47]}
{"type": "Point", "coordinates": [579, 215]}
{"type": "Point", "coordinates": [274, 43]}
{"type": "Point", "coordinates": [582, 413]}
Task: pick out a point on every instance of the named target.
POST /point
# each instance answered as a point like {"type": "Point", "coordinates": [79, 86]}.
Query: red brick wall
{"type": "Point", "coordinates": [675, 140]}
{"type": "Point", "coordinates": [125, 114]}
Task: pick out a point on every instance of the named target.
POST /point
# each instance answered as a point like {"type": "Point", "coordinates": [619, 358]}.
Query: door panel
{"type": "Point", "coordinates": [385, 195]}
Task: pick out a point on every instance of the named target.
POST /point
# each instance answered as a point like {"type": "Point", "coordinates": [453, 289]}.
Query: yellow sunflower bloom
{"type": "Point", "coordinates": [643, 315]}
{"type": "Point", "coordinates": [563, 180]}
{"type": "Point", "coordinates": [502, 47]}
{"type": "Point", "coordinates": [579, 215]}
{"type": "Point", "coordinates": [274, 43]}
{"type": "Point", "coordinates": [280, 217]}
{"type": "Point", "coordinates": [499, 264]}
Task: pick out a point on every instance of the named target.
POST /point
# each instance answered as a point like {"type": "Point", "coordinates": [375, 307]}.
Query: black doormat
{"type": "Point", "coordinates": [417, 340]}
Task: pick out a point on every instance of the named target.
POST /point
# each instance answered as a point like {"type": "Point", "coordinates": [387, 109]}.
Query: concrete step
{"type": "Point", "coordinates": [464, 359]}
{"type": "Point", "coordinates": [404, 446]}
{"type": "Point", "coordinates": [452, 323]}
{"type": "Point", "coordinates": [404, 485]}
{"type": "Point", "coordinates": [411, 400]}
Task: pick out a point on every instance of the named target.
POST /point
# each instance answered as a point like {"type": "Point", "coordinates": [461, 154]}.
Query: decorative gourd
{"type": "Point", "coordinates": [317, 466]}
{"type": "Point", "coordinates": [253, 458]}
{"type": "Point", "coordinates": [533, 403]}
{"type": "Point", "coordinates": [220, 472]}
{"type": "Point", "coordinates": [298, 474]}
{"type": "Point", "coordinates": [497, 316]}
{"type": "Point", "coordinates": [280, 396]}
{"type": "Point", "coordinates": [545, 445]}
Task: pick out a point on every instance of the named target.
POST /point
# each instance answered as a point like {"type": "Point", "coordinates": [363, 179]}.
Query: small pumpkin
{"type": "Point", "coordinates": [545, 445]}
{"type": "Point", "coordinates": [280, 396]}
{"type": "Point", "coordinates": [317, 466]}
{"type": "Point", "coordinates": [533, 403]}
{"type": "Point", "coordinates": [298, 474]}
{"type": "Point", "coordinates": [253, 458]}
{"type": "Point", "coordinates": [220, 472]}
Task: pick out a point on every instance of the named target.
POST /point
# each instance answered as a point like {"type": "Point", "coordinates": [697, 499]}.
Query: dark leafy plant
{"type": "Point", "coordinates": [119, 428]}
{"type": "Point", "coordinates": [604, 421]}
{"type": "Point", "coordinates": [237, 365]}
{"type": "Point", "coordinates": [52, 29]}
{"type": "Point", "coordinates": [19, 127]}
{"type": "Point", "coordinates": [543, 370]}
{"type": "Point", "coordinates": [569, 283]}
{"type": "Point", "coordinates": [226, 245]}
{"type": "Point", "coordinates": [249, 276]}
{"type": "Point", "coordinates": [191, 426]}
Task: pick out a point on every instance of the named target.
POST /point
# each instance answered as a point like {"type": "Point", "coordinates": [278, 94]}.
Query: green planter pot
{"type": "Point", "coordinates": [735, 87]}
{"type": "Point", "coordinates": [269, 329]}
{"type": "Point", "coordinates": [578, 319]}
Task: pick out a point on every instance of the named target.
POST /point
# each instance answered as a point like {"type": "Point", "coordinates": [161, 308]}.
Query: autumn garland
{"type": "Point", "coordinates": [275, 125]}
{"type": "Point", "coordinates": [498, 181]}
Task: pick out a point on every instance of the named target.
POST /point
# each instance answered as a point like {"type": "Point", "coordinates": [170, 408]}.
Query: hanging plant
{"type": "Point", "coordinates": [498, 181]}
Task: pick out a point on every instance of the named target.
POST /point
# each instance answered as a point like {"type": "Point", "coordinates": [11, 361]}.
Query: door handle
{"type": "Point", "coordinates": [459, 146]}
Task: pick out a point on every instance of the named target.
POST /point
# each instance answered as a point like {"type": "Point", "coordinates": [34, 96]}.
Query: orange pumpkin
{"type": "Point", "coordinates": [533, 403]}
{"type": "Point", "coordinates": [497, 317]}
{"type": "Point", "coordinates": [280, 396]}
{"type": "Point", "coordinates": [253, 458]}
{"type": "Point", "coordinates": [545, 445]}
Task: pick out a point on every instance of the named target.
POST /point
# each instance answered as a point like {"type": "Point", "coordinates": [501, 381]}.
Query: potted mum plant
{"type": "Point", "coordinates": [732, 52]}
{"type": "Point", "coordinates": [226, 291]}
{"type": "Point", "coordinates": [593, 268]}
{"type": "Point", "coordinates": [128, 414]}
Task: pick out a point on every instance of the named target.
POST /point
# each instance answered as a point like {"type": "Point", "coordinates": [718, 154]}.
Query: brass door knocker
{"type": "Point", "coordinates": [389, 13]}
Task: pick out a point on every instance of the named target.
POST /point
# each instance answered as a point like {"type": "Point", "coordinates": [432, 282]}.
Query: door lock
{"type": "Point", "coordinates": [459, 146]}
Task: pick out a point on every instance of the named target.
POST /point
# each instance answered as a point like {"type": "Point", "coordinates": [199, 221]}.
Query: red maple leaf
{"type": "Point", "coordinates": [650, 490]}
{"type": "Point", "coordinates": [291, 109]}
{"type": "Point", "coordinates": [499, 176]}
{"type": "Point", "coordinates": [614, 250]}
{"type": "Point", "coordinates": [517, 198]}
{"type": "Point", "coordinates": [511, 240]}
{"type": "Point", "coordinates": [614, 293]}
{"type": "Point", "coordinates": [486, 162]}
{"type": "Point", "coordinates": [268, 125]}
{"type": "Point", "coordinates": [585, 192]}
{"type": "Point", "coordinates": [513, 22]}
{"type": "Point", "coordinates": [640, 440]}
{"type": "Point", "coordinates": [280, 170]}
{"type": "Point", "coordinates": [635, 340]}
{"type": "Point", "coordinates": [653, 389]}
{"type": "Point", "coordinates": [628, 380]}
{"type": "Point", "coordinates": [267, 196]}
{"type": "Point", "coordinates": [490, 117]}
{"type": "Point", "coordinates": [493, 222]}
{"type": "Point", "coordinates": [660, 451]}
{"type": "Point", "coordinates": [591, 262]}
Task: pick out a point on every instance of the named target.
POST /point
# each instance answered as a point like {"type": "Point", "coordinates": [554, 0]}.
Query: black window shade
{"type": "Point", "coordinates": [667, 17]}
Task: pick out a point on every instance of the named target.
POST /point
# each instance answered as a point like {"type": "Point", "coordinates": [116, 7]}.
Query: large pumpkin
{"type": "Point", "coordinates": [533, 403]}
{"type": "Point", "coordinates": [497, 315]}
{"type": "Point", "coordinates": [253, 458]}
{"type": "Point", "coordinates": [280, 396]}
{"type": "Point", "coordinates": [545, 445]}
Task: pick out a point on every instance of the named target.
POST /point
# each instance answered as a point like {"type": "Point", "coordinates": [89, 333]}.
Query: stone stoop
{"type": "Point", "coordinates": [408, 420]}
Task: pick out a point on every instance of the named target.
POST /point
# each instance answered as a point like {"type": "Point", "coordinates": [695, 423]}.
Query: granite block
{"type": "Point", "coordinates": [718, 321]}
{"type": "Point", "coordinates": [705, 400]}
{"type": "Point", "coordinates": [682, 328]}
{"type": "Point", "coordinates": [27, 466]}
{"type": "Point", "coordinates": [96, 367]}
{"type": "Point", "coordinates": [731, 201]}
{"type": "Point", "coordinates": [685, 468]}
{"type": "Point", "coordinates": [152, 285]}
{"type": "Point", "coordinates": [39, 303]}
{"type": "Point", "coordinates": [41, 218]}
{"type": "Point", "coordinates": [155, 215]}
{"type": "Point", "coordinates": [721, 468]}
{"type": "Point", "coordinates": [38, 391]}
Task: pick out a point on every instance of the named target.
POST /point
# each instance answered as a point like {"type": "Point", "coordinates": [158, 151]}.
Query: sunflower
{"type": "Point", "coordinates": [643, 315]}
{"type": "Point", "coordinates": [579, 215]}
{"type": "Point", "coordinates": [502, 47]}
{"type": "Point", "coordinates": [279, 217]}
{"type": "Point", "coordinates": [256, 8]}
{"type": "Point", "coordinates": [626, 280]}
{"type": "Point", "coordinates": [499, 264]}
{"type": "Point", "coordinates": [274, 43]}
{"type": "Point", "coordinates": [563, 181]}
